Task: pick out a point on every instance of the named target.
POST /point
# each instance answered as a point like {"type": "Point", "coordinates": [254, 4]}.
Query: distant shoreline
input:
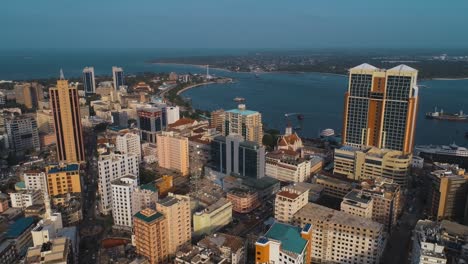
{"type": "Point", "coordinates": [450, 79]}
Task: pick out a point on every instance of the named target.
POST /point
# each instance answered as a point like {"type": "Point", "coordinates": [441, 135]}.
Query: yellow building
{"type": "Point", "coordinates": [150, 231]}
{"type": "Point", "coordinates": [212, 218]}
{"type": "Point", "coordinates": [65, 106]}
{"type": "Point", "coordinates": [63, 179]}
{"type": "Point", "coordinates": [448, 193]}
{"type": "Point", "coordinates": [246, 123]}
{"type": "Point", "coordinates": [372, 163]}
{"type": "Point", "coordinates": [284, 243]}
{"type": "Point", "coordinates": [173, 152]}
{"type": "Point", "coordinates": [176, 209]}
{"type": "Point", "coordinates": [380, 107]}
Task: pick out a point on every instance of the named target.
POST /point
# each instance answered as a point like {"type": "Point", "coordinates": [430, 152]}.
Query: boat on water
{"type": "Point", "coordinates": [239, 99]}
{"type": "Point", "coordinates": [441, 115]}
{"type": "Point", "coordinates": [327, 132]}
{"type": "Point", "coordinates": [448, 154]}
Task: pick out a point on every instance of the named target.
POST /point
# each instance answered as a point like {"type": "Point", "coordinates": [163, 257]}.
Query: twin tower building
{"type": "Point", "coordinates": [380, 108]}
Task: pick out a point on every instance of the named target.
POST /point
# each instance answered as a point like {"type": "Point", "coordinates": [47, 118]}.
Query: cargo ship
{"type": "Point", "coordinates": [448, 154]}
{"type": "Point", "coordinates": [440, 115]}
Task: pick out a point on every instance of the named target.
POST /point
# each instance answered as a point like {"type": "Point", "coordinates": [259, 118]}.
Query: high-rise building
{"type": "Point", "coordinates": [63, 179]}
{"type": "Point", "coordinates": [122, 194]}
{"type": "Point", "coordinates": [110, 167]}
{"type": "Point", "coordinates": [89, 81]}
{"type": "Point", "coordinates": [232, 154]}
{"type": "Point", "coordinates": [29, 94]}
{"type": "Point", "coordinates": [372, 163]}
{"type": "Point", "coordinates": [35, 180]}
{"type": "Point", "coordinates": [217, 119]}
{"type": "Point", "coordinates": [290, 199]}
{"type": "Point", "coordinates": [173, 152]}
{"type": "Point", "coordinates": [338, 237]}
{"type": "Point", "coordinates": [246, 123]}
{"type": "Point", "coordinates": [358, 203]}
{"type": "Point", "coordinates": [380, 107]}
{"type": "Point", "coordinates": [22, 133]}
{"type": "Point", "coordinates": [119, 118]}
{"type": "Point", "coordinates": [150, 120]}
{"type": "Point", "coordinates": [386, 201]}
{"type": "Point", "coordinates": [284, 243]}
{"type": "Point", "coordinates": [118, 77]}
{"type": "Point", "coordinates": [128, 143]}
{"type": "Point", "coordinates": [448, 195]}
{"type": "Point", "coordinates": [172, 114]}
{"type": "Point", "coordinates": [144, 196]}
{"type": "Point", "coordinates": [45, 121]}
{"type": "Point", "coordinates": [67, 122]}
{"type": "Point", "coordinates": [150, 231]}
{"type": "Point", "coordinates": [176, 210]}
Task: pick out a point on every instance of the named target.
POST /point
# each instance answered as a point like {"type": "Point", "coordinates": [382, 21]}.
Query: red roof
{"type": "Point", "coordinates": [182, 121]}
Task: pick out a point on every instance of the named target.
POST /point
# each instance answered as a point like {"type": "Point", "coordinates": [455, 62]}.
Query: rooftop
{"type": "Point", "coordinates": [127, 180]}
{"type": "Point", "coordinates": [219, 240]}
{"type": "Point", "coordinates": [328, 215]}
{"type": "Point", "coordinates": [65, 168]}
{"type": "Point", "coordinates": [18, 227]}
{"type": "Point", "coordinates": [289, 236]}
{"type": "Point", "coordinates": [149, 186]}
{"type": "Point", "coordinates": [358, 196]}
{"type": "Point", "coordinates": [148, 215]}
{"type": "Point", "coordinates": [242, 112]}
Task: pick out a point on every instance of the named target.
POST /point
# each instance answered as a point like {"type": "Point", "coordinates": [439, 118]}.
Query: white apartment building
{"type": "Point", "coordinates": [339, 237]}
{"type": "Point", "coordinates": [110, 167]}
{"type": "Point", "coordinates": [24, 199]}
{"type": "Point", "coordinates": [35, 180]}
{"type": "Point", "coordinates": [122, 194]}
{"type": "Point", "coordinates": [172, 114]}
{"type": "Point", "coordinates": [287, 169]}
{"type": "Point", "coordinates": [129, 143]}
{"type": "Point", "coordinates": [290, 199]}
{"type": "Point", "coordinates": [144, 196]}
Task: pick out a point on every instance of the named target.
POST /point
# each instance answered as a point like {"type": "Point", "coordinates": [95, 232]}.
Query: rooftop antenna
{"type": "Point", "coordinates": [61, 74]}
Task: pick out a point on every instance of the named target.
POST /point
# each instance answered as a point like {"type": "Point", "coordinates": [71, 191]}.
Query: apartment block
{"type": "Point", "coordinates": [173, 152]}
{"type": "Point", "coordinates": [63, 179]}
{"type": "Point", "coordinates": [290, 200]}
{"type": "Point", "coordinates": [243, 122]}
{"type": "Point", "coordinates": [122, 194]}
{"type": "Point", "coordinates": [150, 236]}
{"type": "Point", "coordinates": [212, 218]}
{"type": "Point", "coordinates": [339, 237]}
{"type": "Point", "coordinates": [128, 143]}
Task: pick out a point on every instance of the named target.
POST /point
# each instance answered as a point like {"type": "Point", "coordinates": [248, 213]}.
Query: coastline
{"type": "Point", "coordinates": [450, 79]}
{"type": "Point", "coordinates": [193, 86]}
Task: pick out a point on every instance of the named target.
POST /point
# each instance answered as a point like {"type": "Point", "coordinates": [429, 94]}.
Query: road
{"type": "Point", "coordinates": [89, 245]}
{"type": "Point", "coordinates": [398, 246]}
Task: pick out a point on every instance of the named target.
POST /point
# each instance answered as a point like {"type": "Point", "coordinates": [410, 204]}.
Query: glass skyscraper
{"type": "Point", "coordinates": [89, 82]}
{"type": "Point", "coordinates": [118, 77]}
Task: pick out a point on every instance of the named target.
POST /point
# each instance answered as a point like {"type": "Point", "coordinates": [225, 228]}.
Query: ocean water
{"type": "Point", "coordinates": [319, 97]}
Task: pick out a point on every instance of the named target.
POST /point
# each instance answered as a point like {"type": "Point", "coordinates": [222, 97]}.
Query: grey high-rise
{"type": "Point", "coordinates": [233, 155]}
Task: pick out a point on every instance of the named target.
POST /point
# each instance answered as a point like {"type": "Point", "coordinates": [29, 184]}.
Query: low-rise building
{"type": "Point", "coordinates": [243, 200]}
{"type": "Point", "coordinates": [55, 251]}
{"type": "Point", "coordinates": [212, 218]}
{"type": "Point", "coordinates": [20, 233]}
{"type": "Point", "coordinates": [284, 243]}
{"type": "Point", "coordinates": [229, 247]}
{"type": "Point", "coordinates": [287, 167]}
{"type": "Point", "coordinates": [333, 186]}
{"type": "Point", "coordinates": [35, 180]}
{"type": "Point", "coordinates": [23, 199]}
{"type": "Point", "coordinates": [425, 248]}
{"type": "Point", "coordinates": [372, 163]}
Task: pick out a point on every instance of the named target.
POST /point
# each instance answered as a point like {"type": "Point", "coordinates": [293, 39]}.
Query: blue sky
{"type": "Point", "coordinates": [233, 23]}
